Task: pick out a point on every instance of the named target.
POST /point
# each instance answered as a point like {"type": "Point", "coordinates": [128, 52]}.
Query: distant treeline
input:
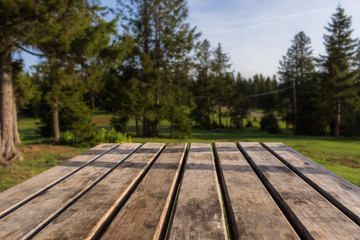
{"type": "Point", "coordinates": [148, 64]}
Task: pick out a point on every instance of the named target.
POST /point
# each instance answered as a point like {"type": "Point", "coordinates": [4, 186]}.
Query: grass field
{"type": "Point", "coordinates": [339, 155]}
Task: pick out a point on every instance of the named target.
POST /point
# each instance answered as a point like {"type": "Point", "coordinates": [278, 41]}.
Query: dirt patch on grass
{"type": "Point", "coordinates": [345, 162]}
{"type": "Point", "coordinates": [44, 148]}
{"type": "Point", "coordinates": [101, 121]}
{"type": "Point", "coordinates": [256, 114]}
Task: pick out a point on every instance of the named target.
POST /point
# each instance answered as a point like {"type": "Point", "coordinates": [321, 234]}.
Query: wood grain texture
{"type": "Point", "coordinates": [83, 218]}
{"type": "Point", "coordinates": [255, 213]}
{"type": "Point", "coordinates": [321, 219]}
{"type": "Point", "coordinates": [142, 217]}
{"type": "Point", "coordinates": [24, 190]}
{"type": "Point", "coordinates": [329, 184]}
{"type": "Point", "coordinates": [199, 213]}
{"type": "Point", "coordinates": [33, 214]}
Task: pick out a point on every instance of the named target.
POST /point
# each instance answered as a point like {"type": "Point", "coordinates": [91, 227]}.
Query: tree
{"type": "Point", "coordinates": [21, 25]}
{"type": "Point", "coordinates": [163, 41]}
{"type": "Point", "coordinates": [296, 69]}
{"type": "Point", "coordinates": [239, 102]}
{"type": "Point", "coordinates": [340, 65]}
{"type": "Point", "coordinates": [25, 89]}
{"type": "Point", "coordinates": [220, 67]}
{"type": "Point", "coordinates": [203, 85]}
{"type": "Point", "coordinates": [59, 72]}
{"type": "Point", "coordinates": [73, 56]}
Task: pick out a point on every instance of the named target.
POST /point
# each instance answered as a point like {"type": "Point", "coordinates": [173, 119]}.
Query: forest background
{"type": "Point", "coordinates": [157, 73]}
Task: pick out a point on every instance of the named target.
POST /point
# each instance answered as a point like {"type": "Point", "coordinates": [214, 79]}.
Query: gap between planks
{"type": "Point", "coordinates": [338, 200]}
{"type": "Point", "coordinates": [45, 188]}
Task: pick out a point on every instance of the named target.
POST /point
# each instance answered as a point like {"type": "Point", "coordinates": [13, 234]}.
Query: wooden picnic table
{"type": "Point", "coordinates": [175, 191]}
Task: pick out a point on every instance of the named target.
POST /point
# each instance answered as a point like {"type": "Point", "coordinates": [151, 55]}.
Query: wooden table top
{"type": "Point", "coordinates": [246, 190]}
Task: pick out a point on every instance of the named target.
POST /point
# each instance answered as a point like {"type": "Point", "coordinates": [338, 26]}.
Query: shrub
{"type": "Point", "coordinates": [112, 136]}
{"type": "Point", "coordinates": [269, 123]}
{"type": "Point", "coordinates": [77, 120]}
{"type": "Point", "coordinates": [119, 121]}
{"type": "Point", "coordinates": [67, 138]}
{"type": "Point", "coordinates": [74, 118]}
{"type": "Point", "coordinates": [180, 121]}
{"type": "Point", "coordinates": [249, 122]}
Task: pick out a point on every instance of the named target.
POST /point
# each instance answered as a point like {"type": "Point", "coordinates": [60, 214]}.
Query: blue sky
{"type": "Point", "coordinates": [257, 33]}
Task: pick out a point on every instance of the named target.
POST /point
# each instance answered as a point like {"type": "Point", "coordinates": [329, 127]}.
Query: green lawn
{"type": "Point", "coordinates": [339, 155]}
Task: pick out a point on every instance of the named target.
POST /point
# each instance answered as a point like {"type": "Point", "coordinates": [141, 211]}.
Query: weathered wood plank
{"type": "Point", "coordinates": [337, 190]}
{"type": "Point", "coordinates": [143, 215]}
{"type": "Point", "coordinates": [27, 219]}
{"type": "Point", "coordinates": [312, 215]}
{"type": "Point", "coordinates": [84, 218]}
{"type": "Point", "coordinates": [254, 212]}
{"type": "Point", "coordinates": [198, 213]}
{"type": "Point", "coordinates": [19, 194]}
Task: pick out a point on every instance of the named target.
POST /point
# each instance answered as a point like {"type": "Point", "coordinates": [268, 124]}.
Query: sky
{"type": "Point", "coordinates": [255, 34]}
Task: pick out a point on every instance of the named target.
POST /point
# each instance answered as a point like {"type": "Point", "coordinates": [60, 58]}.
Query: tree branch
{"type": "Point", "coordinates": [25, 50]}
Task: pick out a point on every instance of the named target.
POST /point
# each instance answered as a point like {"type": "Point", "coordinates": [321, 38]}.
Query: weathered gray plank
{"type": "Point", "coordinates": [82, 219]}
{"type": "Point", "coordinates": [199, 213]}
{"type": "Point", "coordinates": [318, 217]}
{"type": "Point", "coordinates": [337, 190]}
{"type": "Point", "coordinates": [255, 213]}
{"type": "Point", "coordinates": [25, 220]}
{"type": "Point", "coordinates": [143, 215]}
{"type": "Point", "coordinates": [33, 186]}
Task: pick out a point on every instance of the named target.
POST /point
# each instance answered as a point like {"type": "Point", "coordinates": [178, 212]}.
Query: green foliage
{"type": "Point", "coordinates": [160, 63]}
{"type": "Point", "coordinates": [240, 104]}
{"type": "Point", "coordinates": [297, 68]}
{"type": "Point", "coordinates": [119, 121]}
{"type": "Point", "coordinates": [102, 136]}
{"type": "Point", "coordinates": [270, 124]}
{"type": "Point", "coordinates": [180, 121]}
{"type": "Point", "coordinates": [67, 138]}
{"type": "Point", "coordinates": [25, 89]}
{"type": "Point", "coordinates": [113, 136]}
{"type": "Point", "coordinates": [341, 68]}
{"type": "Point", "coordinates": [75, 118]}
{"type": "Point", "coordinates": [249, 123]}
{"type": "Point", "coordinates": [204, 106]}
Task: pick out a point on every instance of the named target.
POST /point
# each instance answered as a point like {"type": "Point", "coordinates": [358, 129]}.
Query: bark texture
{"type": "Point", "coordinates": [7, 126]}
{"type": "Point", "coordinates": [55, 125]}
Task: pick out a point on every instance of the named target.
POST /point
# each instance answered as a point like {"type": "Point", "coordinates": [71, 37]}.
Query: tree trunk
{"type": "Point", "coordinates": [150, 128]}
{"type": "Point", "coordinates": [137, 125]}
{"type": "Point", "coordinates": [7, 143]}
{"type": "Point", "coordinates": [17, 139]}
{"type": "Point", "coordinates": [294, 107]}
{"type": "Point", "coordinates": [241, 123]}
{"type": "Point", "coordinates": [219, 115]}
{"type": "Point", "coordinates": [156, 128]}
{"type": "Point", "coordinates": [145, 127]}
{"type": "Point", "coordinates": [92, 99]}
{"type": "Point", "coordinates": [55, 124]}
{"type": "Point", "coordinates": [337, 119]}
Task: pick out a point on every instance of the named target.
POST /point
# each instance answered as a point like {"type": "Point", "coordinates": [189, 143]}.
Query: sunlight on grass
{"type": "Point", "coordinates": [339, 155]}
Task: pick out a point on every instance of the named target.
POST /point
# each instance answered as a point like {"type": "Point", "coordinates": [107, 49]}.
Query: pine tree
{"type": "Point", "coordinates": [163, 41]}
{"type": "Point", "coordinates": [220, 69]}
{"type": "Point", "coordinates": [21, 25]}
{"type": "Point", "coordinates": [239, 102]}
{"type": "Point", "coordinates": [340, 64]}
{"type": "Point", "coordinates": [296, 69]}
{"type": "Point", "coordinates": [73, 56]}
{"type": "Point", "coordinates": [203, 85]}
